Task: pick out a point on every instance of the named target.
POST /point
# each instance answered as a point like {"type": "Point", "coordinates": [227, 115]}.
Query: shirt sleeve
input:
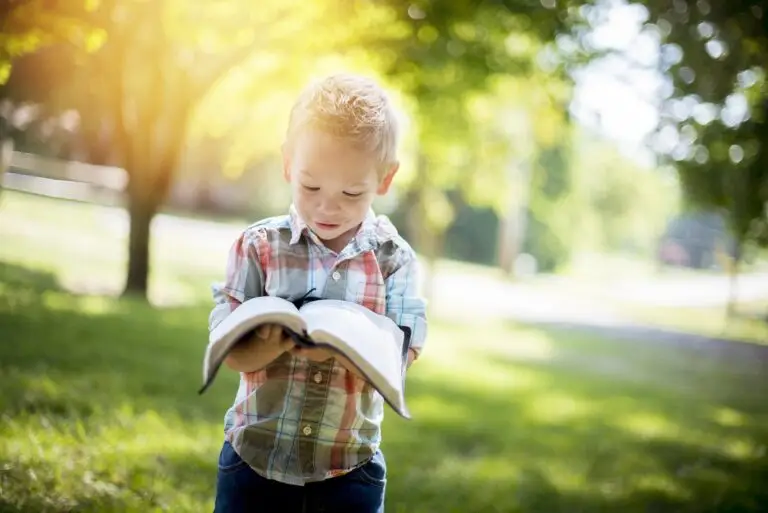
{"type": "Point", "coordinates": [405, 304]}
{"type": "Point", "coordinates": [247, 259]}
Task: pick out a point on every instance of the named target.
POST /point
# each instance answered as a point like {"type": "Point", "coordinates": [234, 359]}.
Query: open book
{"type": "Point", "coordinates": [372, 342]}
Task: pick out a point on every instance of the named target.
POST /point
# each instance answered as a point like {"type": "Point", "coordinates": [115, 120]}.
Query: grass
{"type": "Point", "coordinates": [596, 277]}
{"type": "Point", "coordinates": [100, 411]}
{"type": "Point", "coordinates": [749, 322]}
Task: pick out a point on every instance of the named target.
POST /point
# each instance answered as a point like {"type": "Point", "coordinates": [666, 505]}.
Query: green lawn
{"type": "Point", "coordinates": [749, 323]}
{"type": "Point", "coordinates": [100, 411]}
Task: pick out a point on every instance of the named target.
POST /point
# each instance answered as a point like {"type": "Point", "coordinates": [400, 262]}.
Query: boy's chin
{"type": "Point", "coordinates": [326, 234]}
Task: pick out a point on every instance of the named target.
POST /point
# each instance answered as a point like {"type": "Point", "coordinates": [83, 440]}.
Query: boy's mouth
{"type": "Point", "coordinates": [327, 226]}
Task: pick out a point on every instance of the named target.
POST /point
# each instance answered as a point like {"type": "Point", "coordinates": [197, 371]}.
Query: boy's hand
{"type": "Point", "coordinates": [259, 350]}
{"type": "Point", "coordinates": [411, 357]}
{"type": "Point", "coordinates": [271, 337]}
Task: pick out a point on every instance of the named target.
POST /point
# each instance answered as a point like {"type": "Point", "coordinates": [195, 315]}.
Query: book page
{"type": "Point", "coordinates": [256, 311]}
{"type": "Point", "coordinates": [373, 342]}
{"type": "Point", "coordinates": [247, 316]}
{"type": "Point", "coordinates": [337, 312]}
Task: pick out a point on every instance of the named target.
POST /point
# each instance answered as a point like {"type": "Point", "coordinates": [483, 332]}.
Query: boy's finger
{"type": "Point", "coordinates": [285, 343]}
{"type": "Point", "coordinates": [263, 332]}
{"type": "Point", "coordinates": [278, 334]}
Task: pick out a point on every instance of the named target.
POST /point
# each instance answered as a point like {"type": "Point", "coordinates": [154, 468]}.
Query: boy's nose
{"type": "Point", "coordinates": [327, 206]}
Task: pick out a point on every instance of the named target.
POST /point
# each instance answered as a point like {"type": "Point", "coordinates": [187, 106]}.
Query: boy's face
{"type": "Point", "coordinates": [333, 185]}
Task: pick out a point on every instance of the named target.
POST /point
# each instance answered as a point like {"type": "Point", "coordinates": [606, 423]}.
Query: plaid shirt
{"type": "Point", "coordinates": [298, 421]}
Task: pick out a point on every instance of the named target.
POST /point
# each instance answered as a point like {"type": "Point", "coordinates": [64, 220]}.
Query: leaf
{"type": "Point", "coordinates": [95, 40]}
{"type": "Point", "coordinates": [5, 71]}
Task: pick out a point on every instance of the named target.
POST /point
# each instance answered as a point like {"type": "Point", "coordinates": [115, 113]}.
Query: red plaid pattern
{"type": "Point", "coordinates": [298, 421]}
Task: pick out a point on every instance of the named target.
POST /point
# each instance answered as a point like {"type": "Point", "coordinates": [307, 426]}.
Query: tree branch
{"type": "Point", "coordinates": [235, 57]}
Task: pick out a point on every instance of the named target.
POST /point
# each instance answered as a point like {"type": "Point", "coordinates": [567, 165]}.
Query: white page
{"type": "Point", "coordinates": [375, 338]}
{"type": "Point", "coordinates": [255, 311]}
{"type": "Point", "coordinates": [259, 310]}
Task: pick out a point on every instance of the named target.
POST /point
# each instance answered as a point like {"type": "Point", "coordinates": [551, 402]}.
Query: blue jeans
{"type": "Point", "coordinates": [241, 490]}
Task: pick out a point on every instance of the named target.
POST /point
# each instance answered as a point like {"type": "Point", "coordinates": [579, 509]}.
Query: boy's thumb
{"type": "Point", "coordinates": [262, 332]}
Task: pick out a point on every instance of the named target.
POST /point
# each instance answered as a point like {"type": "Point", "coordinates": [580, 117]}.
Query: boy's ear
{"type": "Point", "coordinates": [286, 163]}
{"type": "Point", "coordinates": [386, 182]}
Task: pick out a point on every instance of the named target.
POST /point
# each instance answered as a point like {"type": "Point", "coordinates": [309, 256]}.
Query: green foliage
{"type": "Point", "coordinates": [28, 25]}
{"type": "Point", "coordinates": [461, 65]}
{"type": "Point", "coordinates": [473, 236]}
{"type": "Point", "coordinates": [550, 233]}
{"type": "Point", "coordinates": [151, 80]}
{"type": "Point", "coordinates": [449, 49]}
{"type": "Point", "coordinates": [170, 65]}
{"type": "Point", "coordinates": [621, 205]}
{"type": "Point", "coordinates": [618, 206]}
{"type": "Point", "coordinates": [716, 55]}
{"type": "Point", "coordinates": [143, 87]}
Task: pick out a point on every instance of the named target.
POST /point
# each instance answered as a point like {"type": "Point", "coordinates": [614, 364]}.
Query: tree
{"type": "Point", "coordinates": [715, 55]}
{"type": "Point", "coordinates": [718, 57]}
{"type": "Point", "coordinates": [28, 25]}
{"type": "Point", "coordinates": [517, 125]}
{"type": "Point", "coordinates": [713, 125]}
{"type": "Point", "coordinates": [450, 76]}
{"type": "Point", "coordinates": [443, 57]}
{"type": "Point", "coordinates": [159, 62]}
{"type": "Point", "coordinates": [142, 89]}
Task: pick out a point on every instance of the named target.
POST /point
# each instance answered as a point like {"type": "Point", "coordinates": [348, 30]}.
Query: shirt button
{"type": "Point", "coordinates": [307, 430]}
{"type": "Point", "coordinates": [336, 275]}
{"type": "Point", "coordinates": [318, 377]}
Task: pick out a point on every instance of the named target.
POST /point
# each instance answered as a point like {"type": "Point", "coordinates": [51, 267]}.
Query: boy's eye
{"type": "Point", "coordinates": [353, 194]}
{"type": "Point", "coordinates": [311, 189]}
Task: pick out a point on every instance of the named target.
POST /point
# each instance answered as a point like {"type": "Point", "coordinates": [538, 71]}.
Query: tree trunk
{"type": "Point", "coordinates": [430, 240]}
{"type": "Point", "coordinates": [427, 240]}
{"type": "Point", "coordinates": [6, 154]}
{"type": "Point", "coordinates": [508, 247]}
{"type": "Point", "coordinates": [734, 278]}
{"type": "Point", "coordinates": [148, 184]}
{"type": "Point", "coordinates": [435, 241]}
{"type": "Point", "coordinates": [420, 234]}
{"type": "Point", "coordinates": [150, 162]}
{"type": "Point", "coordinates": [141, 209]}
{"type": "Point", "coordinates": [513, 224]}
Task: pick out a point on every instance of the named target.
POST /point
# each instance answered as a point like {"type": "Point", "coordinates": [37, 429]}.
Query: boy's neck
{"type": "Point", "coordinates": [337, 244]}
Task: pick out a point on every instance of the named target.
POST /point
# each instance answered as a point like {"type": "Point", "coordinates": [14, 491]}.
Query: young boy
{"type": "Point", "coordinates": [304, 432]}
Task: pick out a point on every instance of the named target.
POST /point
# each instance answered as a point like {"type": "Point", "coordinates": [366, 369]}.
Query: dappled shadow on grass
{"type": "Point", "coordinates": [567, 436]}
{"type": "Point", "coordinates": [736, 349]}
{"type": "Point", "coordinates": [101, 413]}
{"type": "Point", "coordinates": [502, 458]}
{"type": "Point", "coordinates": [719, 372]}
{"type": "Point", "coordinates": [108, 352]}
{"type": "Point", "coordinates": [163, 482]}
{"type": "Point", "coordinates": [89, 381]}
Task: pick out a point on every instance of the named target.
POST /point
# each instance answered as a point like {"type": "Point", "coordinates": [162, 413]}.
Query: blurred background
{"type": "Point", "coordinates": [586, 181]}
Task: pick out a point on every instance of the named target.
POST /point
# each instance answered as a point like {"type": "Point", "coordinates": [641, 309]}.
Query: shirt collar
{"type": "Point", "coordinates": [298, 226]}
{"type": "Point", "coordinates": [367, 236]}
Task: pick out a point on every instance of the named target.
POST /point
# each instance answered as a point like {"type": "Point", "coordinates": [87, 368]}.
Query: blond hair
{"type": "Point", "coordinates": [351, 107]}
